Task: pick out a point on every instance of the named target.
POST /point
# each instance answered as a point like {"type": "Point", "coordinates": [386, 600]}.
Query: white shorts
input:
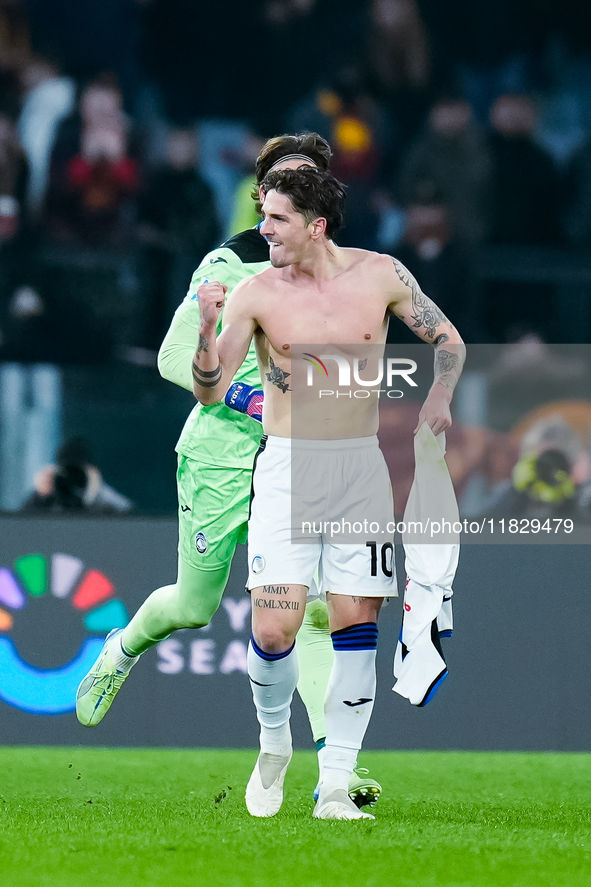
{"type": "Point", "coordinates": [326, 505]}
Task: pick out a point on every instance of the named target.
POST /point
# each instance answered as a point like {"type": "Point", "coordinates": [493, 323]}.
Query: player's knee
{"type": "Point", "coordinates": [273, 638]}
{"type": "Point", "coordinates": [199, 616]}
{"type": "Point", "coordinates": [195, 622]}
{"type": "Point", "coordinates": [196, 614]}
{"type": "Point", "coordinates": [197, 600]}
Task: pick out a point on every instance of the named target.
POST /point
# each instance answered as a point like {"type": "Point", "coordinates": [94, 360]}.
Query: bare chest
{"type": "Point", "coordinates": [348, 315]}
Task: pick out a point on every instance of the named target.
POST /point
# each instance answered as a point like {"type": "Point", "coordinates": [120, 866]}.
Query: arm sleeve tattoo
{"type": "Point", "coordinates": [425, 313]}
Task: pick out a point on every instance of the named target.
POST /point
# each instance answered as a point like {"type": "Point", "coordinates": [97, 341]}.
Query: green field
{"type": "Point", "coordinates": [174, 818]}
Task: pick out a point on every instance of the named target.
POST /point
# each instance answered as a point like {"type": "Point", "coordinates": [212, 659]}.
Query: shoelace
{"type": "Point", "coordinates": [111, 681]}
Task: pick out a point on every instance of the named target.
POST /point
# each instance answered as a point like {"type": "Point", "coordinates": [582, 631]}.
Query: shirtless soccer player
{"type": "Point", "coordinates": [216, 452]}
{"type": "Point", "coordinates": [315, 292]}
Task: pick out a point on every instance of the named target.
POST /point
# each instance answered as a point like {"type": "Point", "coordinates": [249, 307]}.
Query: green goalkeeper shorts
{"type": "Point", "coordinates": [213, 512]}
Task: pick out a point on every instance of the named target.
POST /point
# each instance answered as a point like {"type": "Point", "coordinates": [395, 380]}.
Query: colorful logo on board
{"type": "Point", "coordinates": [315, 362]}
{"type": "Point", "coordinates": [53, 691]}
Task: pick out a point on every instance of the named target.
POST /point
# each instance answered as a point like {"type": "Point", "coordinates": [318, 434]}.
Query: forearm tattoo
{"type": "Point", "coordinates": [277, 376]}
{"type": "Point", "coordinates": [445, 361]}
{"type": "Point", "coordinates": [425, 313]}
{"type": "Point", "coordinates": [446, 369]}
{"type": "Point", "coordinates": [205, 378]}
{"type": "Point", "coordinates": [202, 346]}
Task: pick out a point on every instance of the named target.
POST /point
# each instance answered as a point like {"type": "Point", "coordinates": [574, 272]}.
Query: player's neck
{"type": "Point", "coordinates": [320, 263]}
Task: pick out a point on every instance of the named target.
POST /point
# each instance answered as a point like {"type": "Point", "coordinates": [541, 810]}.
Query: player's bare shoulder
{"type": "Point", "coordinates": [261, 283]}
{"type": "Point", "coordinates": [248, 295]}
{"type": "Point", "coordinates": [363, 263]}
{"type": "Point", "coordinates": [379, 273]}
{"type": "Point", "coordinates": [374, 266]}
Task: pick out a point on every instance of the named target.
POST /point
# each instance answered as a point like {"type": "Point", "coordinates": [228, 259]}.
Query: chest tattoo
{"type": "Point", "coordinates": [277, 376]}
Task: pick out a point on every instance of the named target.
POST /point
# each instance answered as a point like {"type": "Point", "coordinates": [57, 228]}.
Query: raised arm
{"type": "Point", "coordinates": [216, 360]}
{"type": "Point", "coordinates": [431, 325]}
{"type": "Point", "coordinates": [178, 348]}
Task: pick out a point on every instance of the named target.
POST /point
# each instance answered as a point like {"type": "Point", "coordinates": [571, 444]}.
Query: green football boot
{"type": "Point", "coordinates": [363, 790]}
{"type": "Point", "coordinates": [98, 689]}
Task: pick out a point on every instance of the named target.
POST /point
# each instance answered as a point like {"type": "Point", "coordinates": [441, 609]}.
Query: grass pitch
{"type": "Point", "coordinates": [74, 817]}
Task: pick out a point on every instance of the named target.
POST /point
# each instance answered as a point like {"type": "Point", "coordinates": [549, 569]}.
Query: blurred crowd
{"type": "Point", "coordinates": [129, 129]}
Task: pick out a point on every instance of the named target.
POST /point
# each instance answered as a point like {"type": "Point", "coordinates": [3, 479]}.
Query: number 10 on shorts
{"type": "Point", "coordinates": [386, 557]}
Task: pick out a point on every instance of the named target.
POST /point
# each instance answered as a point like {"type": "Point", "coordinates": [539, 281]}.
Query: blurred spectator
{"type": "Point", "coordinates": [290, 29]}
{"type": "Point", "coordinates": [39, 326]}
{"type": "Point", "coordinates": [224, 146]}
{"type": "Point", "coordinates": [15, 254]}
{"type": "Point", "coordinates": [47, 99]}
{"type": "Point", "coordinates": [480, 466]}
{"type": "Point", "coordinates": [550, 477]}
{"type": "Point", "coordinates": [88, 38]}
{"type": "Point", "coordinates": [398, 60]}
{"type": "Point", "coordinates": [244, 214]}
{"type": "Point", "coordinates": [391, 221]}
{"type": "Point", "coordinates": [564, 102]}
{"type": "Point", "coordinates": [526, 208]}
{"type": "Point", "coordinates": [297, 30]}
{"type": "Point", "coordinates": [13, 178]}
{"type": "Point", "coordinates": [74, 485]}
{"type": "Point", "coordinates": [360, 133]}
{"type": "Point", "coordinates": [15, 50]}
{"type": "Point", "coordinates": [26, 332]}
{"type": "Point", "coordinates": [488, 47]}
{"type": "Point", "coordinates": [357, 151]}
{"type": "Point", "coordinates": [431, 253]}
{"type": "Point", "coordinates": [578, 198]}
{"type": "Point", "coordinates": [530, 372]}
{"type": "Point", "coordinates": [15, 38]}
{"type": "Point", "coordinates": [451, 158]}
{"type": "Point", "coordinates": [526, 211]}
{"type": "Point", "coordinates": [572, 24]}
{"type": "Point", "coordinates": [205, 58]}
{"type": "Point", "coordinates": [94, 179]}
{"type": "Point", "coordinates": [561, 130]}
{"type": "Point", "coordinates": [88, 261]}
{"type": "Point", "coordinates": [315, 111]}
{"type": "Point", "coordinates": [178, 225]}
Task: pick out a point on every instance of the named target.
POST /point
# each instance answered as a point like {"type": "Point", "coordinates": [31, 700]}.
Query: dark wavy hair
{"type": "Point", "coordinates": [310, 144]}
{"type": "Point", "coordinates": [314, 193]}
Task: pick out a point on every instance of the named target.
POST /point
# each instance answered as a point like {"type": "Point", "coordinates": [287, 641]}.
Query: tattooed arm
{"type": "Point", "coordinates": [217, 360]}
{"type": "Point", "coordinates": [431, 325]}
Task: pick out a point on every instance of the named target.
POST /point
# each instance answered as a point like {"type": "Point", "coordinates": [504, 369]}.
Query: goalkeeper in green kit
{"type": "Point", "coordinates": [216, 452]}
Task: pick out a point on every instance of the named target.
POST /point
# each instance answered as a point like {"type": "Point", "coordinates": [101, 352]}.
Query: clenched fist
{"type": "Point", "coordinates": [212, 296]}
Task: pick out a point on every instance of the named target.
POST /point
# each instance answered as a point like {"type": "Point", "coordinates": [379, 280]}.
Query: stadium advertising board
{"type": "Point", "coordinates": [517, 661]}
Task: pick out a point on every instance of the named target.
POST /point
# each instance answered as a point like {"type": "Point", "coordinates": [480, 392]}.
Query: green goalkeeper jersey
{"type": "Point", "coordinates": [216, 434]}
